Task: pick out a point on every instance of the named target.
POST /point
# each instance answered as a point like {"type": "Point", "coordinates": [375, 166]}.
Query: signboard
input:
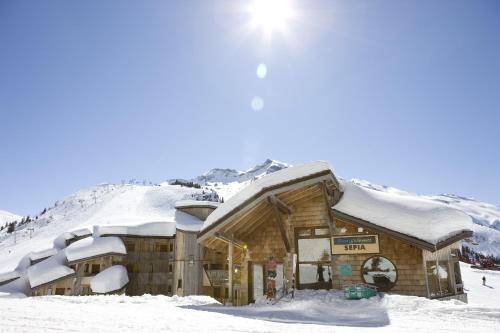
{"type": "Point", "coordinates": [345, 269]}
{"type": "Point", "coordinates": [355, 244]}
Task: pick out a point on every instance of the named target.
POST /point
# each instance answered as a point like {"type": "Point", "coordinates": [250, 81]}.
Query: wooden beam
{"type": "Point", "coordinates": [281, 226]}
{"type": "Point", "coordinates": [230, 239]}
{"type": "Point", "coordinates": [284, 208]}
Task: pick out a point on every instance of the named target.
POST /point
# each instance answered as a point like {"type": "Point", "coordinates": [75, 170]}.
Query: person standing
{"type": "Point", "coordinates": [484, 280]}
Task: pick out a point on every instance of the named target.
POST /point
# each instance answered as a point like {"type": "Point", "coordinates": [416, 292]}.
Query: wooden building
{"type": "Point", "coordinates": [288, 215]}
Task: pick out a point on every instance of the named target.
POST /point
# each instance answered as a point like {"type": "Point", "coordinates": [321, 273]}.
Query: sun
{"type": "Point", "coordinates": [271, 15]}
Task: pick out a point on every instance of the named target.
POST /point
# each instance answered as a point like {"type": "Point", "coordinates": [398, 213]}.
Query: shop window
{"type": "Point", "coordinates": [95, 268]}
{"type": "Point", "coordinates": [60, 291]}
{"type": "Point", "coordinates": [314, 249]}
{"type": "Point", "coordinates": [321, 232]}
{"type": "Point", "coordinates": [314, 271]}
{"type": "Point", "coordinates": [379, 272]}
{"type": "Point", "coordinates": [304, 232]}
{"type": "Point", "coordinates": [438, 278]}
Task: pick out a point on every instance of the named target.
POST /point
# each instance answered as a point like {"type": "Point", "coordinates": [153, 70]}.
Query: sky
{"type": "Point", "coordinates": [400, 93]}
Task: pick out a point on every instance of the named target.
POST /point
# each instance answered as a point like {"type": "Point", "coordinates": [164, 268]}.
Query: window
{"type": "Point", "coordinates": [171, 246]}
{"type": "Point", "coordinates": [169, 289]}
{"type": "Point", "coordinates": [49, 291]}
{"type": "Point", "coordinates": [86, 268]}
{"type": "Point", "coordinates": [438, 278]}
{"type": "Point", "coordinates": [379, 272]}
{"type": "Point", "coordinates": [96, 268]}
{"type": "Point", "coordinates": [164, 248]}
{"type": "Point", "coordinates": [60, 291]}
{"type": "Point", "coordinates": [170, 268]}
{"type": "Point", "coordinates": [179, 283]}
{"type": "Point", "coordinates": [314, 258]}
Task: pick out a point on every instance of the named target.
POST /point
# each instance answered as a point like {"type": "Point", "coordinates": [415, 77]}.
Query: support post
{"type": "Point", "coordinates": [331, 224]}
{"type": "Point", "coordinates": [230, 272]}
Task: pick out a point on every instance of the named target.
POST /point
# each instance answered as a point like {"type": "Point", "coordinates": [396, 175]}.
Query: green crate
{"type": "Point", "coordinates": [359, 291]}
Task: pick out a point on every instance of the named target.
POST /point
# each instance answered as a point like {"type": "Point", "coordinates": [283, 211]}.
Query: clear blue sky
{"type": "Point", "coordinates": [401, 93]}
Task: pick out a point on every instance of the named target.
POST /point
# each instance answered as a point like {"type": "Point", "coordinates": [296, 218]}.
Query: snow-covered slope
{"type": "Point", "coordinates": [100, 205]}
{"type": "Point", "coordinates": [7, 217]}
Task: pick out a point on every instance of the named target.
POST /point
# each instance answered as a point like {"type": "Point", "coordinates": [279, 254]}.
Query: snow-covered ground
{"type": "Point", "coordinates": [311, 311]}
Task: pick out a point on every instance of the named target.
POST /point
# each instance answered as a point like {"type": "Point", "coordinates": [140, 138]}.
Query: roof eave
{"type": "Point", "coordinates": [260, 194]}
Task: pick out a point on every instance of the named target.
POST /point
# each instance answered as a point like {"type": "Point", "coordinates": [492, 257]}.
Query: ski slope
{"type": "Point", "coordinates": [311, 311]}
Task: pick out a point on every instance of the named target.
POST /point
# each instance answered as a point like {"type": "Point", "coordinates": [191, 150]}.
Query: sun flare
{"type": "Point", "coordinates": [271, 15]}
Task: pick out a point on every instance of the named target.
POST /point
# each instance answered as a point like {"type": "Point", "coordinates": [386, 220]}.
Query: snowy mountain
{"type": "Point", "coordinates": [227, 176]}
{"type": "Point", "coordinates": [7, 217]}
{"type": "Point", "coordinates": [130, 204]}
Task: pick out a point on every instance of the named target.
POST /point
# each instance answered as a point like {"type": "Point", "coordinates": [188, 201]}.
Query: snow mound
{"type": "Point", "coordinates": [411, 215]}
{"type": "Point", "coordinates": [111, 279]}
{"type": "Point", "coordinates": [276, 178]}
{"type": "Point", "coordinates": [94, 246]}
{"type": "Point", "coordinates": [49, 270]}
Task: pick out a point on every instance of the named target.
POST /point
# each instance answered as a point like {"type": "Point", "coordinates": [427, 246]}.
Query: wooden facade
{"type": "Point", "coordinates": [150, 263]}
{"type": "Point", "coordinates": [282, 223]}
{"type": "Point", "coordinates": [63, 287]}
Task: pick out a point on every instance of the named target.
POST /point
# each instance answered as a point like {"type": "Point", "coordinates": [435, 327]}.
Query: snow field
{"type": "Point", "coordinates": [311, 311]}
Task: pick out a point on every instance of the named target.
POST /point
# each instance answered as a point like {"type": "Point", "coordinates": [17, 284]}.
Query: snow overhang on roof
{"type": "Point", "coordinates": [9, 276]}
{"type": "Point", "coordinates": [92, 247]}
{"type": "Point", "coordinates": [150, 229]}
{"type": "Point", "coordinates": [109, 280]}
{"type": "Point", "coordinates": [49, 270]}
{"type": "Point", "coordinates": [196, 204]}
{"type": "Point", "coordinates": [260, 187]}
{"type": "Point", "coordinates": [427, 224]}
{"type": "Point", "coordinates": [42, 254]}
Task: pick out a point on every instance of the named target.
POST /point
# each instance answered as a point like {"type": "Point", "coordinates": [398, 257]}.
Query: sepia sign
{"type": "Point", "coordinates": [355, 244]}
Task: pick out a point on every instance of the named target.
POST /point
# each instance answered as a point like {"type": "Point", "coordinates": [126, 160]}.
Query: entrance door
{"type": "Point", "coordinates": [314, 261]}
{"type": "Point", "coordinates": [259, 280]}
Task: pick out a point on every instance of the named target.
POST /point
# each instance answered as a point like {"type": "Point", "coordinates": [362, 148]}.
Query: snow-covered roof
{"type": "Point", "coordinates": [151, 229]}
{"type": "Point", "coordinates": [196, 203]}
{"type": "Point", "coordinates": [7, 276]}
{"type": "Point", "coordinates": [42, 254]}
{"type": "Point", "coordinates": [407, 214]}
{"type": "Point", "coordinates": [94, 246]}
{"type": "Point", "coordinates": [49, 270]}
{"type": "Point", "coordinates": [277, 178]}
{"type": "Point", "coordinates": [111, 279]}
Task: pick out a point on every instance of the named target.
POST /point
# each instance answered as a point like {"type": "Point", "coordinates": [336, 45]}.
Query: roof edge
{"type": "Point", "coordinates": [261, 193]}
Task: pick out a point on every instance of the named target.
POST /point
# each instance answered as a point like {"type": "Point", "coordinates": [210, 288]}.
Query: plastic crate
{"type": "Point", "coordinates": [359, 291]}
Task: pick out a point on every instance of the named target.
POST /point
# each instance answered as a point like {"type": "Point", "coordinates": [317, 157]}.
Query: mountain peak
{"type": "Point", "coordinates": [226, 176]}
